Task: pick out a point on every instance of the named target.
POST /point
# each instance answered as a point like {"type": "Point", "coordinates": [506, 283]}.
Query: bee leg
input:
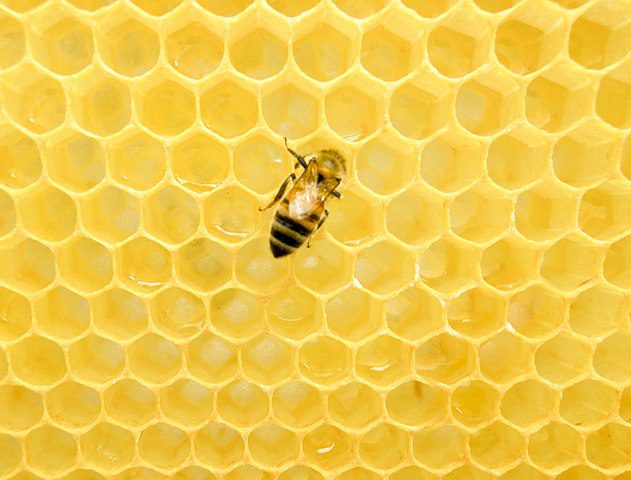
{"type": "Point", "coordinates": [300, 159]}
{"type": "Point", "coordinates": [281, 192]}
{"type": "Point", "coordinates": [324, 217]}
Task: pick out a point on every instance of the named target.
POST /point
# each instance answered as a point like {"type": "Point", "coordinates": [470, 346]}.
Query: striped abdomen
{"type": "Point", "coordinates": [288, 234]}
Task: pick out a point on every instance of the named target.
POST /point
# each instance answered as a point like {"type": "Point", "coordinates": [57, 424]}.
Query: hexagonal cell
{"type": "Point", "coordinates": [193, 472]}
{"type": "Point", "coordinates": [509, 263]}
{"type": "Point", "coordinates": [555, 446]}
{"type": "Point", "coordinates": [569, 264]}
{"type": "Point", "coordinates": [199, 163]}
{"type": "Point", "coordinates": [219, 105]}
{"type": "Point", "coordinates": [461, 44]}
{"type": "Point", "coordinates": [383, 446]}
{"type": "Point", "coordinates": [48, 213]}
{"type": "Point", "coordinates": [385, 267]}
{"type": "Point", "coordinates": [475, 403]}
{"type": "Point", "coordinates": [416, 404]}
{"type": "Point", "coordinates": [440, 448]}
{"type": "Point", "coordinates": [164, 445]}
{"type": "Point", "coordinates": [429, 8]}
{"type": "Point", "coordinates": [130, 402]}
{"type": "Point", "coordinates": [171, 214]}
{"type": "Point", "coordinates": [517, 158]}
{"type": "Point", "coordinates": [193, 50]}
{"type": "Point", "coordinates": [386, 164]}
{"type": "Point", "coordinates": [448, 265]}
{"type": "Point", "coordinates": [290, 8]}
{"type": "Point", "coordinates": [385, 54]}
{"type": "Point", "coordinates": [609, 357]}
{"type": "Point", "coordinates": [15, 312]}
{"type": "Point", "coordinates": [73, 405]}
{"type": "Point", "coordinates": [12, 38]}
{"type": "Point", "coordinates": [452, 161]}
{"type": "Point", "coordinates": [600, 36]}
{"type": "Point", "coordinates": [325, 51]}
{"type": "Point", "coordinates": [137, 161]}
{"type": "Point", "coordinates": [291, 111]}
{"type": "Point", "coordinates": [267, 360]}
{"type": "Point", "coordinates": [529, 403]}
{"type": "Point", "coordinates": [585, 155]}
{"type": "Point", "coordinates": [257, 269]}
{"type": "Point", "coordinates": [353, 113]}
{"type": "Point", "coordinates": [186, 402]}
{"type": "Point", "coordinates": [21, 408]}
{"type": "Point", "coordinates": [525, 471]}
{"type": "Point", "coordinates": [237, 313]}
{"type": "Point", "coordinates": [178, 313]}
{"type": "Point", "coordinates": [354, 405]}
{"type": "Point", "coordinates": [22, 6]}
{"type": "Point", "coordinates": [625, 405]}
{"type": "Point", "coordinates": [294, 313]}
{"type": "Point", "coordinates": [467, 472]}
{"type": "Point", "coordinates": [75, 161]}
{"type": "Point", "coordinates": [324, 360]}
{"type": "Point", "coordinates": [328, 447]}
{"type": "Point", "coordinates": [40, 457]}
{"type": "Point", "coordinates": [225, 9]}
{"type": "Point", "coordinates": [476, 312]}
{"type": "Point", "coordinates": [583, 472]}
{"type": "Point", "coordinates": [481, 213]}
{"type": "Point", "coordinates": [203, 264]}
{"type": "Point", "coordinates": [353, 315]}
{"type": "Point", "coordinates": [85, 264]}
{"type": "Point", "coordinates": [545, 212]}
{"type": "Point", "coordinates": [143, 264]}
{"type": "Point", "coordinates": [607, 447]}
{"type": "Point", "coordinates": [421, 106]}
{"type": "Point", "coordinates": [587, 403]}
{"type": "Point", "coordinates": [488, 103]}
{"type": "Point", "coordinates": [444, 358]}
{"type": "Point", "coordinates": [12, 452]}
{"type": "Point", "coordinates": [563, 359]}
{"type": "Point", "coordinates": [60, 43]}
{"type": "Point", "coordinates": [414, 313]}
{"type": "Point", "coordinates": [617, 261]}
{"type": "Point", "coordinates": [360, 8]}
{"type": "Point", "coordinates": [111, 214]}
{"type": "Point", "coordinates": [128, 47]}
{"type": "Point", "coordinates": [530, 38]}
{"type": "Point", "coordinates": [38, 361]}
{"type": "Point", "coordinates": [497, 446]}
{"type": "Point", "coordinates": [492, 352]}
{"type": "Point", "coordinates": [90, 5]}
{"type": "Point", "coordinates": [62, 314]}
{"type": "Point", "coordinates": [612, 100]}
{"type": "Point", "coordinates": [218, 445]}
{"type": "Point", "coordinates": [211, 359]}
{"type": "Point", "coordinates": [536, 311]}
{"type": "Point", "coordinates": [259, 54]}
{"type": "Point", "coordinates": [158, 8]}
{"type": "Point", "coordinates": [118, 313]}
{"type": "Point", "coordinates": [383, 360]}
{"type": "Point", "coordinates": [298, 404]}
{"type": "Point", "coordinates": [597, 311]}
{"type": "Point", "coordinates": [138, 473]}
{"type": "Point", "coordinates": [231, 214]}
{"type": "Point", "coordinates": [34, 100]}
{"type": "Point", "coordinates": [108, 447]}
{"type": "Point", "coordinates": [558, 97]}
{"type": "Point", "coordinates": [324, 267]}
{"type": "Point", "coordinates": [299, 471]}
{"type": "Point", "coordinates": [95, 359]}
{"type": "Point", "coordinates": [101, 104]}
{"type": "Point", "coordinates": [242, 403]}
{"type": "Point", "coordinates": [28, 266]}
{"type": "Point", "coordinates": [165, 107]}
{"type": "Point", "coordinates": [21, 165]}
{"type": "Point", "coordinates": [273, 446]}
{"type": "Point", "coordinates": [260, 164]}
{"type": "Point", "coordinates": [355, 220]}
{"type": "Point", "coordinates": [154, 359]}
{"type": "Point", "coordinates": [605, 210]}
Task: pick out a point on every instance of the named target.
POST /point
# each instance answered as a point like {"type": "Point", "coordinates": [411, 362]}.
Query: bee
{"type": "Point", "coordinates": [301, 212]}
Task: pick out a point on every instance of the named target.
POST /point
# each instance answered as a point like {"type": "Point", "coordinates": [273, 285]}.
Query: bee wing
{"type": "Point", "coordinates": [326, 187]}
{"type": "Point", "coordinates": [305, 195]}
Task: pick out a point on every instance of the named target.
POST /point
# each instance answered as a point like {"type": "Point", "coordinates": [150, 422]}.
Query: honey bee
{"type": "Point", "coordinates": [301, 212]}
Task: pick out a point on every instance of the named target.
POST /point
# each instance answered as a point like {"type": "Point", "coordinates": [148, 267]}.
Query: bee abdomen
{"type": "Point", "coordinates": [287, 235]}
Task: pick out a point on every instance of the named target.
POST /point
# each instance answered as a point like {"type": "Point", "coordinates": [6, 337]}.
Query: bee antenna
{"type": "Point", "coordinates": [298, 157]}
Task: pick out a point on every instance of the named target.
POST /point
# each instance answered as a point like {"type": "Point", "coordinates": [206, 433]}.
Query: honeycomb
{"type": "Point", "coordinates": [464, 314]}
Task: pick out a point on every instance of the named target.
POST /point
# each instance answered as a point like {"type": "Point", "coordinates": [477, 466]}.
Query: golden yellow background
{"type": "Point", "coordinates": [464, 315]}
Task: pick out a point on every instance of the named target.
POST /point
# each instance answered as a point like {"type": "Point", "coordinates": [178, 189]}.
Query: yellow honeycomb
{"type": "Point", "coordinates": [464, 314]}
